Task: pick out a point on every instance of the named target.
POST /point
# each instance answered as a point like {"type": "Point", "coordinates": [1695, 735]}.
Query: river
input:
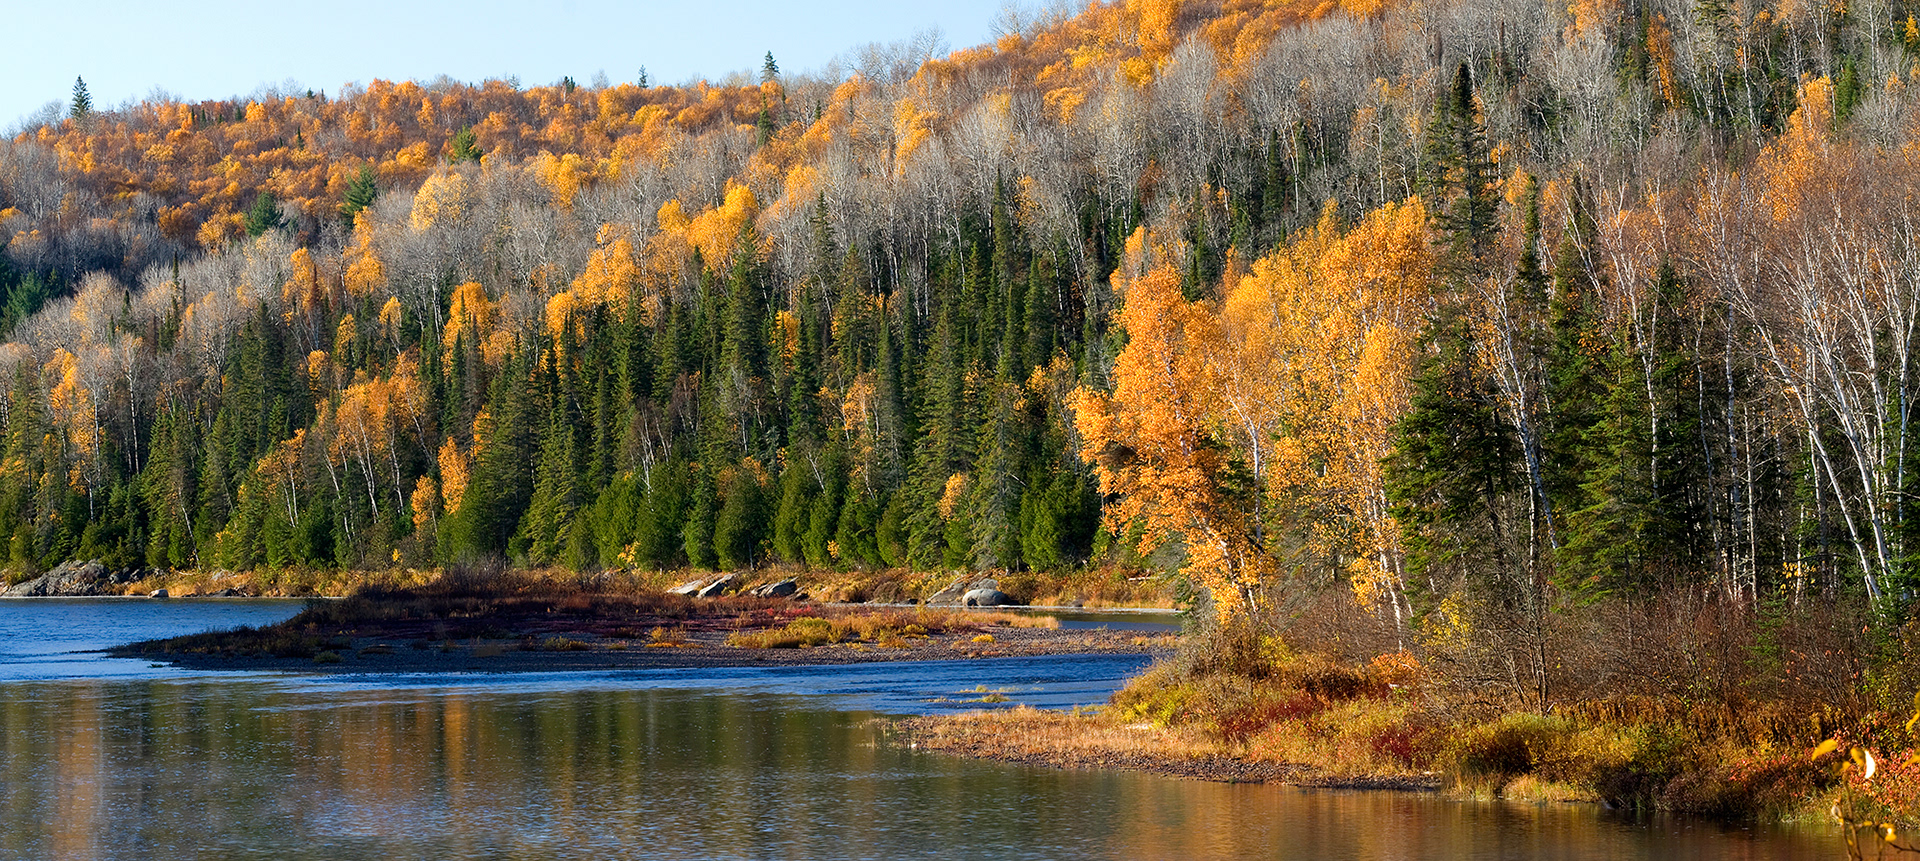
{"type": "Point", "coordinates": [105, 758]}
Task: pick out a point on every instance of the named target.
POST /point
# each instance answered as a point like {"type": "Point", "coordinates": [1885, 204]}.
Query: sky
{"type": "Point", "coordinates": [213, 49]}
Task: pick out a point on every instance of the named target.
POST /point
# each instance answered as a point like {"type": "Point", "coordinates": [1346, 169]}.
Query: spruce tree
{"type": "Point", "coordinates": [264, 215]}
{"type": "Point", "coordinates": [82, 104]}
{"type": "Point", "coordinates": [360, 193]}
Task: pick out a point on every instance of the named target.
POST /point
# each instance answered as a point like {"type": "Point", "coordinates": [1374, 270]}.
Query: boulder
{"type": "Point", "coordinates": [726, 583]}
{"type": "Point", "coordinates": [957, 591]}
{"type": "Point", "coordinates": [987, 597]}
{"type": "Point", "coordinates": [68, 579]}
{"type": "Point", "coordinates": [691, 587]}
{"type": "Point", "coordinates": [157, 593]}
{"type": "Point", "coordinates": [781, 589]}
{"type": "Point", "coordinates": [949, 595]}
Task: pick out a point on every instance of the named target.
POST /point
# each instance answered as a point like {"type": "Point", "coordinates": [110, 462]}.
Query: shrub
{"type": "Point", "coordinates": [1489, 755]}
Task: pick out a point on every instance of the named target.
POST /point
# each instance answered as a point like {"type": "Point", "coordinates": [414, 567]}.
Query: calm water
{"type": "Point", "coordinates": [120, 760]}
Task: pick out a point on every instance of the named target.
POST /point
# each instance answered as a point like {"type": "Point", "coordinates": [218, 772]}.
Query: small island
{"type": "Point", "coordinates": [518, 621]}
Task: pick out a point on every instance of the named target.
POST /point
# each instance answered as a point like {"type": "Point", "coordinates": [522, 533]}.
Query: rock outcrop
{"type": "Point", "coordinates": [726, 583]}
{"type": "Point", "coordinates": [782, 589]}
{"type": "Point", "coordinates": [68, 579]}
{"type": "Point", "coordinates": [984, 592]}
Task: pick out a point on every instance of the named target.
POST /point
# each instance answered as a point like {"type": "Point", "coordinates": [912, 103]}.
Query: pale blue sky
{"type": "Point", "coordinates": [209, 49]}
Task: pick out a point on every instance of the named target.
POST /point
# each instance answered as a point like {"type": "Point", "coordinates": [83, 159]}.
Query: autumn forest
{"type": "Point", "coordinates": [1467, 311]}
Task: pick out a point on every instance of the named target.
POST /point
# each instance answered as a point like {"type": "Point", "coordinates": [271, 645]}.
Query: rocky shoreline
{"type": "Point", "coordinates": [575, 651]}
{"type": "Point", "coordinates": [515, 622]}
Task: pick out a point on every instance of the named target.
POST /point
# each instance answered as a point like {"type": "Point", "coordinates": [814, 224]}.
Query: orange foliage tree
{"type": "Point", "coordinates": [1251, 430]}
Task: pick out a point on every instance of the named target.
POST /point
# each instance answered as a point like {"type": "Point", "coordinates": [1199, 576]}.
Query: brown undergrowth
{"type": "Point", "coordinates": [1679, 704]}
{"type": "Point", "coordinates": [1091, 587]}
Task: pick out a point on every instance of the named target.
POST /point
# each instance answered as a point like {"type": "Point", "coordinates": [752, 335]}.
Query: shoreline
{"type": "Point", "coordinates": [506, 628]}
{"type": "Point", "coordinates": [1065, 740]}
{"type": "Point", "coordinates": [389, 655]}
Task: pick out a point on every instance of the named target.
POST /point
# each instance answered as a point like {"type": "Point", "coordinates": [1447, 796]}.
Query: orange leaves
{"type": "Point", "coordinates": [1153, 441]}
{"type": "Point", "coordinates": [1321, 341]}
{"type": "Point", "coordinates": [1156, 35]}
{"type": "Point", "coordinates": [425, 503]}
{"type": "Point", "coordinates": [563, 175]}
{"type": "Point", "coordinates": [1294, 381]}
{"type": "Point", "coordinates": [302, 294]}
{"type": "Point", "coordinates": [471, 314]}
{"type": "Point", "coordinates": [612, 272]}
{"type": "Point", "coordinates": [70, 405]}
{"type": "Point", "coordinates": [714, 232]}
{"type": "Point", "coordinates": [455, 467]}
{"type": "Point", "coordinates": [364, 276]}
{"type": "Point", "coordinates": [560, 315]}
{"type": "Point", "coordinates": [1797, 162]}
{"type": "Point", "coordinates": [911, 128]}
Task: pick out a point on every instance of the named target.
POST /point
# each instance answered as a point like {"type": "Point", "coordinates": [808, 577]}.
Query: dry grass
{"type": "Point", "coordinates": [887, 628]}
{"type": "Point", "coordinates": [1064, 736]}
{"type": "Point", "coordinates": [1090, 587]}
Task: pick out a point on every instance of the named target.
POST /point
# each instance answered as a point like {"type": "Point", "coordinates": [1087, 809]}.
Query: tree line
{"type": "Point", "coordinates": [1436, 299]}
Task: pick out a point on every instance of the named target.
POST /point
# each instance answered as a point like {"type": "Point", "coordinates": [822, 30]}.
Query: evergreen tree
{"type": "Point", "coordinates": [790, 519]}
{"type": "Point", "coordinates": [697, 533]}
{"type": "Point", "coordinates": [463, 146]}
{"type": "Point", "coordinates": [361, 191]}
{"type": "Point", "coordinates": [264, 215]}
{"type": "Point", "coordinates": [82, 104]}
{"type": "Point", "coordinates": [547, 527]}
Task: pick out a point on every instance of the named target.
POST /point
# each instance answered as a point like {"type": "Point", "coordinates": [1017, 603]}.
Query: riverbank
{"type": "Point", "coordinates": [1256, 711]}
{"type": "Point", "coordinates": [1029, 736]}
{"type": "Point", "coordinates": [1091, 588]}
{"type": "Point", "coordinates": [521, 623]}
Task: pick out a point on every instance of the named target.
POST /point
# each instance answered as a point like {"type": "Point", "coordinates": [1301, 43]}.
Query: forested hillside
{"type": "Point", "coordinates": [1490, 300]}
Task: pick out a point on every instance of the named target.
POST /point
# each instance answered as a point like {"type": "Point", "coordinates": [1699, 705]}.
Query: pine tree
{"type": "Point", "coordinates": [739, 529]}
{"type": "Point", "coordinates": [792, 512]}
{"type": "Point", "coordinates": [463, 147]}
{"type": "Point", "coordinates": [1453, 461]}
{"type": "Point", "coordinates": [361, 191]}
{"type": "Point", "coordinates": [697, 533]}
{"type": "Point", "coordinates": [264, 215]}
{"type": "Point", "coordinates": [82, 102]}
{"type": "Point", "coordinates": [546, 529]}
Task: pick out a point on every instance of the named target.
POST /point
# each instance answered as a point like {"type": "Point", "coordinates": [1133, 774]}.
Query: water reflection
{"type": "Point", "coordinates": [230, 769]}
{"type": "Point", "coordinates": [103, 759]}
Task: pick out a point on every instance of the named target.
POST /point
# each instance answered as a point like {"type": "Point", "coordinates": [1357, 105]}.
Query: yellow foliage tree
{"type": "Point", "coordinates": [442, 197]}
{"type": "Point", "coordinates": [1154, 439]}
{"type": "Point", "coordinates": [1316, 371]}
{"type": "Point", "coordinates": [1252, 432]}
{"type": "Point", "coordinates": [471, 313]}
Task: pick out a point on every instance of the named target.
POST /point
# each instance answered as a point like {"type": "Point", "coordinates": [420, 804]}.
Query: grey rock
{"type": "Point", "coordinates": [68, 579]}
{"type": "Point", "coordinates": [35, 588]}
{"type": "Point", "coordinates": [157, 593]}
{"type": "Point", "coordinates": [781, 589]}
{"type": "Point", "coordinates": [987, 598]}
{"type": "Point", "coordinates": [726, 583]}
{"type": "Point", "coordinates": [949, 595]}
{"type": "Point", "coordinates": [691, 587]}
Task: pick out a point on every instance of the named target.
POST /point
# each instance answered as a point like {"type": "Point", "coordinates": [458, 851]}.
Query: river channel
{"type": "Point", "coordinates": [105, 758]}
